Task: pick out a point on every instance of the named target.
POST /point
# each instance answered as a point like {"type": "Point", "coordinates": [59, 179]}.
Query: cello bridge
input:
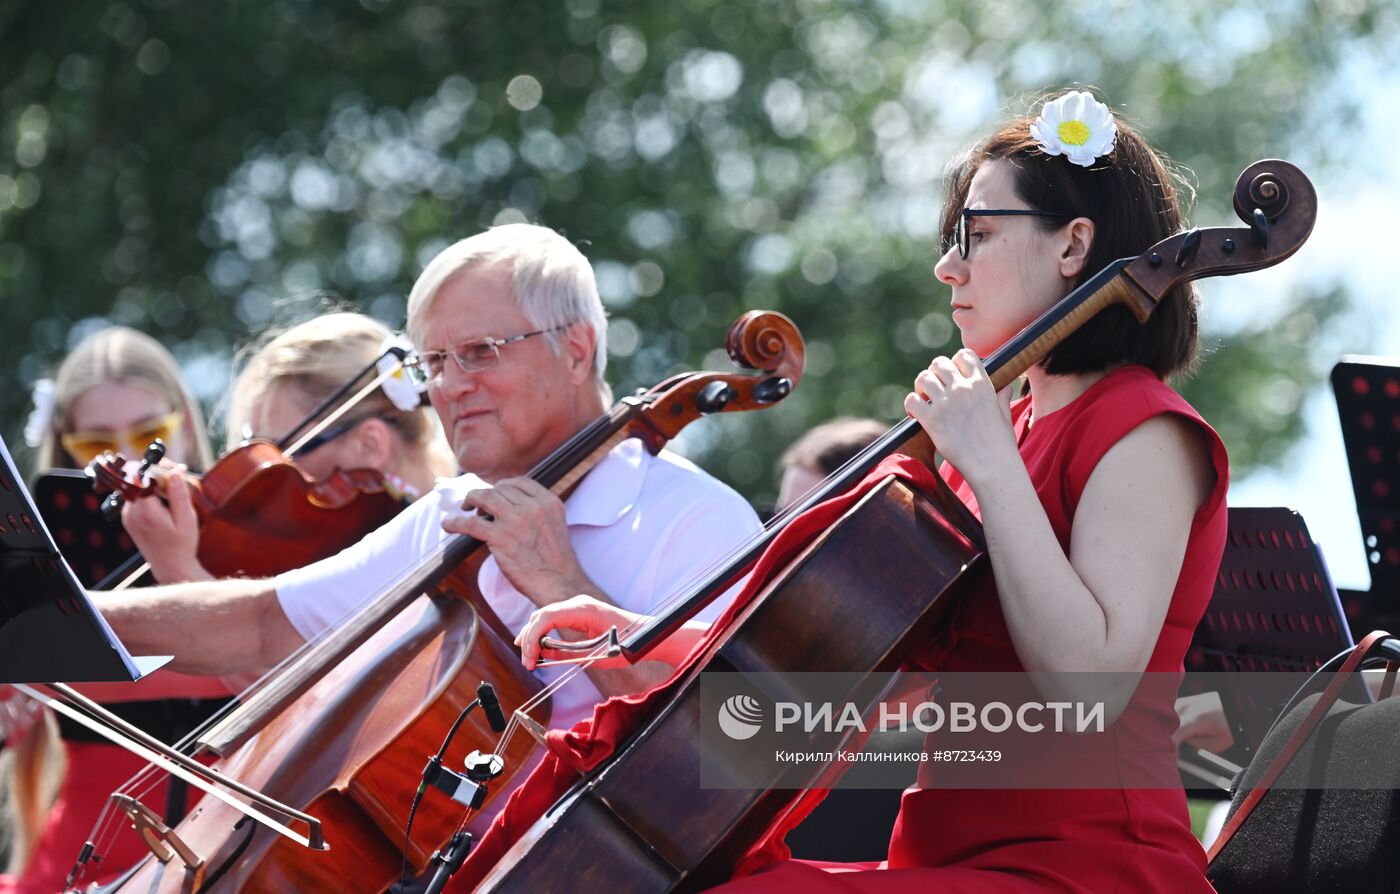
{"type": "Point", "coordinates": [162, 841]}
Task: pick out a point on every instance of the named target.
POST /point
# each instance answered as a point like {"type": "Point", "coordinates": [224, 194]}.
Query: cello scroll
{"type": "Point", "coordinates": [763, 340]}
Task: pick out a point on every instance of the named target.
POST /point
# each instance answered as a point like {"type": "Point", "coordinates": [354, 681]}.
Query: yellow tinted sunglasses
{"type": "Point", "coordinates": [85, 446]}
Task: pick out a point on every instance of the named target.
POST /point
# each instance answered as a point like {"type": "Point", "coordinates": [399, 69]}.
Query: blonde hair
{"type": "Point", "coordinates": [31, 773]}
{"type": "Point", "coordinates": [122, 355]}
{"type": "Point", "coordinates": [552, 282]}
{"type": "Point", "coordinates": [317, 357]}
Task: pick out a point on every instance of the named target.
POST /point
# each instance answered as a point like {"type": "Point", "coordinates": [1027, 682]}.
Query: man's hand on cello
{"type": "Point", "coordinates": [527, 534]}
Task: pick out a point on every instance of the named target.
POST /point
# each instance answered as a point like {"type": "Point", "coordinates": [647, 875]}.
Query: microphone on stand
{"type": "Point", "coordinates": [494, 716]}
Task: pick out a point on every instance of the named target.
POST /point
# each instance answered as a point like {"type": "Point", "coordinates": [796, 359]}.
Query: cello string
{"type": "Point", "coordinates": [146, 779]}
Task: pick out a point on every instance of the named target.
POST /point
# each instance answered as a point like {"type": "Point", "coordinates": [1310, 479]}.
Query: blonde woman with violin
{"type": "Point", "coordinates": [117, 391]}
{"type": "Point", "coordinates": [282, 382]}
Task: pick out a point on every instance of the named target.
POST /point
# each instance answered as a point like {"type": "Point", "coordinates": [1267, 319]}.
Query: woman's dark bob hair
{"type": "Point", "coordinates": [1132, 199]}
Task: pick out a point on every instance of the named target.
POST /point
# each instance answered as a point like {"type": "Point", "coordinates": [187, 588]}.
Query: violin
{"type": "Point", "coordinates": [873, 586]}
{"type": "Point", "coordinates": [343, 730]}
{"type": "Point", "coordinates": [259, 513]}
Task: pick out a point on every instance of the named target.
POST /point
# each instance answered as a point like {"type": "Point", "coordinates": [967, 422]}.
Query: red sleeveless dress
{"type": "Point", "coordinates": [1021, 841]}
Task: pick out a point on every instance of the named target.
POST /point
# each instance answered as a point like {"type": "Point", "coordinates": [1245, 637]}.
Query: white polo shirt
{"type": "Point", "coordinates": [642, 527]}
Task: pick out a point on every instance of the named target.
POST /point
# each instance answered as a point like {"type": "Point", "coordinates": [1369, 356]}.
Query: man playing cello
{"type": "Point", "coordinates": [512, 337]}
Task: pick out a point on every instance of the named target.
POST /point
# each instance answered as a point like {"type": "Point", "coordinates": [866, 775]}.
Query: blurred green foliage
{"type": "Point", "coordinates": [201, 170]}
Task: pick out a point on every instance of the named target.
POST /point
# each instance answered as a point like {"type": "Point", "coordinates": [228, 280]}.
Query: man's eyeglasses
{"type": "Point", "coordinates": [86, 446]}
{"type": "Point", "coordinates": [473, 356]}
{"type": "Point", "coordinates": [960, 229]}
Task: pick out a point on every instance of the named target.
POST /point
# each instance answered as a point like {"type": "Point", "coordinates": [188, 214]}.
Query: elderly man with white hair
{"type": "Point", "coordinates": [511, 336]}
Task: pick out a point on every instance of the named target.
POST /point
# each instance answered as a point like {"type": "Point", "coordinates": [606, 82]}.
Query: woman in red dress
{"type": "Point", "coordinates": [1102, 496]}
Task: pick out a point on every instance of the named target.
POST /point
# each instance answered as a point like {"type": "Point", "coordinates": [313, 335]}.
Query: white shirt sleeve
{"type": "Point", "coordinates": [321, 594]}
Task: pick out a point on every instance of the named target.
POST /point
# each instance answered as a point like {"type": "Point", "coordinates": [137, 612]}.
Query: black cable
{"type": "Point", "coordinates": [433, 763]}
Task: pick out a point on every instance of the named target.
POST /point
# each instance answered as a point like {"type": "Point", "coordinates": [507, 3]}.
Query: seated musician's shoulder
{"type": "Point", "coordinates": [681, 480]}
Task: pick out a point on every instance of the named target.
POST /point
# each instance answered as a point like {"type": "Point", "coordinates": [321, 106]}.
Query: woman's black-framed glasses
{"type": "Point", "coordinates": [472, 356]}
{"type": "Point", "coordinates": [960, 230]}
{"type": "Point", "coordinates": [335, 431]}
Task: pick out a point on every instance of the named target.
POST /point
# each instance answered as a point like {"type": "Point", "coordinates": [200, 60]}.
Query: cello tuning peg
{"type": "Point", "coordinates": [1260, 227]}
{"type": "Point", "coordinates": [713, 398]}
{"type": "Point", "coordinates": [770, 391]}
{"type": "Point", "coordinates": [1189, 246]}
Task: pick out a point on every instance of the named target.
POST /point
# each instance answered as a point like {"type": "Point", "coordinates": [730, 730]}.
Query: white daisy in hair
{"type": "Point", "coordinates": [401, 388]}
{"type": "Point", "coordinates": [1076, 126]}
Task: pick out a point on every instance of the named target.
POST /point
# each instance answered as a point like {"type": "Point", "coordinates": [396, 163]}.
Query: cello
{"type": "Point", "coordinates": [909, 554]}
{"type": "Point", "coordinates": [342, 730]}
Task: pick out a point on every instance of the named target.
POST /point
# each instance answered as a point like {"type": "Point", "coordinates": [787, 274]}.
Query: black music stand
{"type": "Point", "coordinates": [49, 630]}
{"type": "Point", "coordinates": [1273, 609]}
{"type": "Point", "coordinates": [93, 544]}
{"type": "Point", "coordinates": [1368, 404]}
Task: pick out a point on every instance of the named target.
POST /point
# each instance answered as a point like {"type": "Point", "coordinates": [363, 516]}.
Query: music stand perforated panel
{"type": "Point", "coordinates": [49, 630]}
{"type": "Point", "coordinates": [1368, 405]}
{"type": "Point", "coordinates": [1274, 608]}
{"type": "Point", "coordinates": [93, 545]}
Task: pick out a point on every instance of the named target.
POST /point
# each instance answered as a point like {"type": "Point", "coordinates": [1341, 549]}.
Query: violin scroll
{"type": "Point", "coordinates": [109, 476]}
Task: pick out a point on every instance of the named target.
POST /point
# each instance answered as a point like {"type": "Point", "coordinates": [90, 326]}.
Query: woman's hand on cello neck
{"type": "Point", "coordinates": [968, 421]}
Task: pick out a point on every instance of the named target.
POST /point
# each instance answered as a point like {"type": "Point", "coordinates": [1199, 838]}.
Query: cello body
{"type": "Point", "coordinates": [378, 714]}
{"type": "Point", "coordinates": [885, 576]}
